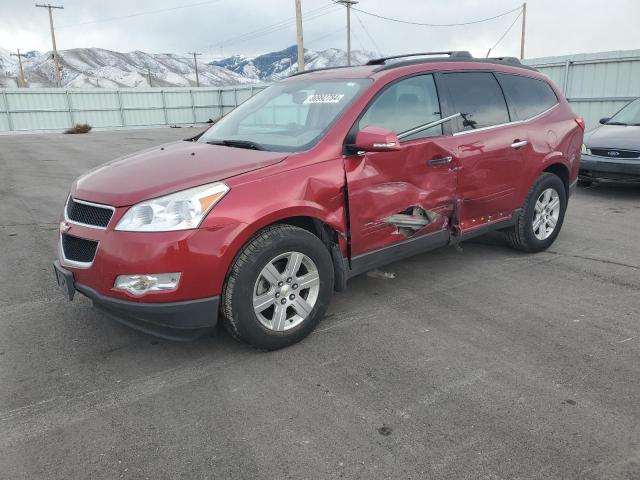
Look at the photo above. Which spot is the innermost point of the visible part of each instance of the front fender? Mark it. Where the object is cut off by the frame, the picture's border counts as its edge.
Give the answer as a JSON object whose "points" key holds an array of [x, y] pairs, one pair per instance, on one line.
{"points": [[315, 191], [242, 233]]}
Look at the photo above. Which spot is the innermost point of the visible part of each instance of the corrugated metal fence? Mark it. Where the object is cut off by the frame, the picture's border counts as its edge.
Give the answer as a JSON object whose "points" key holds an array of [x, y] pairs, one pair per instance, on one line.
{"points": [[596, 84], [52, 109]]}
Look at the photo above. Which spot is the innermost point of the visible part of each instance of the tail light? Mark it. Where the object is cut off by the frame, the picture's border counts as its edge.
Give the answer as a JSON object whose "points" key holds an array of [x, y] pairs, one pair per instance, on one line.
{"points": [[580, 122]]}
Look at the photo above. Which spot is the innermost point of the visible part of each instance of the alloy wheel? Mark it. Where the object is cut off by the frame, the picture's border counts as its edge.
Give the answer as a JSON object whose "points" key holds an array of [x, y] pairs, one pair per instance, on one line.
{"points": [[286, 291], [546, 214]]}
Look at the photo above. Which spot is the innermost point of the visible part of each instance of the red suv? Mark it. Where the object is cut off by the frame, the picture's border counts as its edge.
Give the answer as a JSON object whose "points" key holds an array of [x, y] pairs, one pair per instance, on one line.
{"points": [[320, 177]]}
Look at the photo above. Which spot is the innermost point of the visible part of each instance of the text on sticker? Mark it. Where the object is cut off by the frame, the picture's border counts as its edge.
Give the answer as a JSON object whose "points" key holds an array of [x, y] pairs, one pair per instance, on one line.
{"points": [[324, 98]]}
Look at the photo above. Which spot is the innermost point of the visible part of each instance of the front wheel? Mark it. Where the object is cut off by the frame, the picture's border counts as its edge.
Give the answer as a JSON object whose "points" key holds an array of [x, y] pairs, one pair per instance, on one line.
{"points": [[279, 287], [542, 215]]}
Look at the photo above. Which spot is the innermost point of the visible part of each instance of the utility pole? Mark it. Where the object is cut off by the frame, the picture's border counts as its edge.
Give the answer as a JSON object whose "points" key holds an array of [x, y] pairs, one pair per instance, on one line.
{"points": [[348, 4], [149, 76], [299, 38], [53, 41], [23, 82], [524, 23], [195, 62]]}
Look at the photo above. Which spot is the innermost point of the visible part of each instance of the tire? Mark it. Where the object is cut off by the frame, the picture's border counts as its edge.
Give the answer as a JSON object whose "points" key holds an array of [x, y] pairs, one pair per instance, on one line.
{"points": [[524, 235], [262, 302]]}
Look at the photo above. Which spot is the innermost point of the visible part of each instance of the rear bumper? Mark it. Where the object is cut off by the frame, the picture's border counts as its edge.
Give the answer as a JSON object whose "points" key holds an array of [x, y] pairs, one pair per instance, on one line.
{"points": [[184, 320], [592, 167]]}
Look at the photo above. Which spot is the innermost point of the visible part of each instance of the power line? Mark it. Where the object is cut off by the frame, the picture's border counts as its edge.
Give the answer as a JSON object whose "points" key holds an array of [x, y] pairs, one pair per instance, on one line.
{"points": [[139, 14], [408, 22], [311, 15], [275, 26], [505, 33], [357, 39], [375, 45], [326, 35]]}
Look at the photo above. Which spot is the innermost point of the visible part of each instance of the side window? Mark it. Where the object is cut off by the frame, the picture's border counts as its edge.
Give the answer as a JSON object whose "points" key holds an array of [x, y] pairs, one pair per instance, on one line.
{"points": [[478, 96], [527, 97], [404, 105]]}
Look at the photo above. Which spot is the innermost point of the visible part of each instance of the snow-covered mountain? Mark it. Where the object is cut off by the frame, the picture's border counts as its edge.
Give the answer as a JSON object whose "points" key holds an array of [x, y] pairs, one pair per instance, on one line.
{"points": [[276, 65], [97, 67]]}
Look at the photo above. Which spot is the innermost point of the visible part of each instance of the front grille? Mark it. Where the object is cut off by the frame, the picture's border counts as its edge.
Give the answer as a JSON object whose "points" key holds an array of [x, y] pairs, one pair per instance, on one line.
{"points": [[78, 249], [615, 153], [93, 215]]}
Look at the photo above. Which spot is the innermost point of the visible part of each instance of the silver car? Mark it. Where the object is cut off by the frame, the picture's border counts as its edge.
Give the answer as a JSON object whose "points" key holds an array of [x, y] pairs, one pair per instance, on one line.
{"points": [[612, 151]]}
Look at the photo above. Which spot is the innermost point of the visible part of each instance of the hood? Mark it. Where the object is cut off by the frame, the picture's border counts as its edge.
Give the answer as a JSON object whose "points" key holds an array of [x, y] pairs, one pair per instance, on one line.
{"points": [[166, 169], [614, 136]]}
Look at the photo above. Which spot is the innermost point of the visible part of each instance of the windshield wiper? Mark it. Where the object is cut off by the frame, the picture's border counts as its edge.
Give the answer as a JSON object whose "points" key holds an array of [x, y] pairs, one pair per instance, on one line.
{"points": [[617, 123], [237, 144]]}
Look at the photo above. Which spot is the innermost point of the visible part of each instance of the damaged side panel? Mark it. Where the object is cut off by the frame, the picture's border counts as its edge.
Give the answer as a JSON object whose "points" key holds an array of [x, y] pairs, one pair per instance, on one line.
{"points": [[397, 195], [412, 220]]}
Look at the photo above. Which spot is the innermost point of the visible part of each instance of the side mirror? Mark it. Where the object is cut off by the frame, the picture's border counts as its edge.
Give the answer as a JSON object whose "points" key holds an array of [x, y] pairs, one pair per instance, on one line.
{"points": [[376, 139], [604, 120]]}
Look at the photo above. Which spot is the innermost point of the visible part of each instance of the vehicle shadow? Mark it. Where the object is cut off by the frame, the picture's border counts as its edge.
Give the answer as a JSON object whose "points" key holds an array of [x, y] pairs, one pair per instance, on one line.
{"points": [[612, 190]]}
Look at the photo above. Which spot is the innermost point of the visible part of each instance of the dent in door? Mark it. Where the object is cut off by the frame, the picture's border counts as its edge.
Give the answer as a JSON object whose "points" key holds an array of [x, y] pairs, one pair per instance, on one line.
{"points": [[386, 202]]}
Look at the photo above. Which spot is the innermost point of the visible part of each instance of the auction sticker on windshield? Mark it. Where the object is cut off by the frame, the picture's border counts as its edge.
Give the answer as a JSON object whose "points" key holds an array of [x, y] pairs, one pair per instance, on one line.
{"points": [[324, 98]]}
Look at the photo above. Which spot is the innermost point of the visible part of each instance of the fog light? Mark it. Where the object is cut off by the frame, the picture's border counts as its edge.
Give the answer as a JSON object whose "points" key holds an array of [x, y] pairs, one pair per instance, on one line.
{"points": [[141, 284]]}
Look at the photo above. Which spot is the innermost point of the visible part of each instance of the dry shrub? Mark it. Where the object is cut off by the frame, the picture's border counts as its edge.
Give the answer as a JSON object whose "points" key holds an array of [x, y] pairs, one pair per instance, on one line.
{"points": [[79, 128]]}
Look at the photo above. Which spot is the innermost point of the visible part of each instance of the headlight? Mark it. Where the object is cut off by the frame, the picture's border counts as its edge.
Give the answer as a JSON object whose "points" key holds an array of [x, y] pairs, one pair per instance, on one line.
{"points": [[179, 211], [585, 150]]}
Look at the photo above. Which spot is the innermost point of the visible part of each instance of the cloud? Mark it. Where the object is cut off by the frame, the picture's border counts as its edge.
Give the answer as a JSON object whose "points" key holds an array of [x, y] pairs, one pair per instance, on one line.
{"points": [[226, 27]]}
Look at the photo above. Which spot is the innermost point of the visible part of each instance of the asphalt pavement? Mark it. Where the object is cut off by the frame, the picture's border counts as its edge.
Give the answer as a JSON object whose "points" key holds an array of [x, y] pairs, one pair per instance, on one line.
{"points": [[480, 364]]}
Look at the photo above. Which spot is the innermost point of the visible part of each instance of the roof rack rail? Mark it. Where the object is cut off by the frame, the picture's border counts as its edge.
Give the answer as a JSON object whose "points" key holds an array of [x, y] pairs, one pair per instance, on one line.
{"points": [[508, 61], [452, 54], [514, 60]]}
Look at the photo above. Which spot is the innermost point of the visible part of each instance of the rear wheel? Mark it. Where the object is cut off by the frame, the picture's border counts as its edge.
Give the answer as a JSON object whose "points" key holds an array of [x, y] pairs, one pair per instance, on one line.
{"points": [[542, 215], [279, 287]]}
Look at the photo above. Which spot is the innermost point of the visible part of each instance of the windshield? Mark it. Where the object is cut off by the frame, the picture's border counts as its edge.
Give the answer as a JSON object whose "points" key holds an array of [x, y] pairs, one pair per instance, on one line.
{"points": [[289, 116], [629, 115]]}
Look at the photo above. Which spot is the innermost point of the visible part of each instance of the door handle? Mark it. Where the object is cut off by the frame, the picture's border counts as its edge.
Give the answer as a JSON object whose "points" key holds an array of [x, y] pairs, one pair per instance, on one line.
{"points": [[519, 144], [440, 160]]}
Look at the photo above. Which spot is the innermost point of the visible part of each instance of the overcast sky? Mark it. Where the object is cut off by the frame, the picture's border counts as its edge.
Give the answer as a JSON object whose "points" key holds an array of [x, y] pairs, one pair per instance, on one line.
{"points": [[226, 27]]}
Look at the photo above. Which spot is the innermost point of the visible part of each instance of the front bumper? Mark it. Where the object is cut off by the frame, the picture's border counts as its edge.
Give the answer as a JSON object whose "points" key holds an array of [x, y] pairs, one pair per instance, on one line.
{"points": [[592, 167], [201, 256], [184, 320]]}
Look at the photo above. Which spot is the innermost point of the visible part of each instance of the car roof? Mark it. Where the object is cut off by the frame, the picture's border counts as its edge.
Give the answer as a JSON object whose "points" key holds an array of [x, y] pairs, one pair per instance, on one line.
{"points": [[379, 68]]}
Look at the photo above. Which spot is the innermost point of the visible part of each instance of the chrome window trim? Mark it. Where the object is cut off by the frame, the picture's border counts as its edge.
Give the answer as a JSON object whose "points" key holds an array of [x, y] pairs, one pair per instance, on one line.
{"points": [[426, 126], [73, 263], [98, 205], [516, 122]]}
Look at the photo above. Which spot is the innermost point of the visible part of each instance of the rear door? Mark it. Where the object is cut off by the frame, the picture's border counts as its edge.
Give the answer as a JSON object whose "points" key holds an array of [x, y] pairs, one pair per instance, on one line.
{"points": [[529, 99], [398, 195], [488, 146]]}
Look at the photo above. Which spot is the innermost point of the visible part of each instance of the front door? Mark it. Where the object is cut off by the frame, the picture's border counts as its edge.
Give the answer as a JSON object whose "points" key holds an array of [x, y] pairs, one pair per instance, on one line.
{"points": [[401, 195]]}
